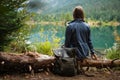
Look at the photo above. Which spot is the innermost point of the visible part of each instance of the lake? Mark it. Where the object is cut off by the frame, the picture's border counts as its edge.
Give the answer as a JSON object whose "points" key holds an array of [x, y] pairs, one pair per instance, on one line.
{"points": [[102, 36]]}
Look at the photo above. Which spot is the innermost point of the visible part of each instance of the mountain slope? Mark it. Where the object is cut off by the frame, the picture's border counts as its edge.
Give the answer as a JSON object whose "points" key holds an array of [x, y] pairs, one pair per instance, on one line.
{"points": [[98, 9]]}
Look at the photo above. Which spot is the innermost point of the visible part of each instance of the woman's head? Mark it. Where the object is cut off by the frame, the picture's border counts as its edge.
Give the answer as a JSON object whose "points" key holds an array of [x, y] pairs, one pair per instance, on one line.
{"points": [[78, 13]]}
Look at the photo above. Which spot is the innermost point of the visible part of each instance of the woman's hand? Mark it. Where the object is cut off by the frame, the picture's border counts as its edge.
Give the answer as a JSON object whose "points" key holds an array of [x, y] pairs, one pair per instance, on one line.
{"points": [[94, 56]]}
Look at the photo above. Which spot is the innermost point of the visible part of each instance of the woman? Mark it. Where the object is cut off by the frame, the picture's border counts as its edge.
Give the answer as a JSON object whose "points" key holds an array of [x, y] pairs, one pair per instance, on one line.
{"points": [[78, 35]]}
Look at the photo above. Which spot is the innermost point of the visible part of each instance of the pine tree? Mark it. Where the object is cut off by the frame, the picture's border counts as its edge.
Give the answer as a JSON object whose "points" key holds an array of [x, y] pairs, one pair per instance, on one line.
{"points": [[9, 21]]}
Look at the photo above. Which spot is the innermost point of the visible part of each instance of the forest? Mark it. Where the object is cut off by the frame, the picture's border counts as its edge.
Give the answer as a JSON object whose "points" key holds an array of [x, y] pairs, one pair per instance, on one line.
{"points": [[105, 10], [39, 25]]}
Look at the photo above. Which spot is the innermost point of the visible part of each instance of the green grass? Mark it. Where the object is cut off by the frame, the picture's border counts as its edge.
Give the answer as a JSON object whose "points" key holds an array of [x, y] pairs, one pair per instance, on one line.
{"points": [[113, 52]]}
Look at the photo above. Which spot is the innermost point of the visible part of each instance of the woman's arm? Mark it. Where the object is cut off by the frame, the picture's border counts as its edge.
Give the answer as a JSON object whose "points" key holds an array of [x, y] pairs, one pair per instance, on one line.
{"points": [[67, 36], [93, 55], [90, 41]]}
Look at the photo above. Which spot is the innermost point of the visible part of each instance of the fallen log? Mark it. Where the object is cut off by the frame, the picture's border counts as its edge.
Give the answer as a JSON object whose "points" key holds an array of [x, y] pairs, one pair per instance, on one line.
{"points": [[29, 61], [100, 63], [25, 62]]}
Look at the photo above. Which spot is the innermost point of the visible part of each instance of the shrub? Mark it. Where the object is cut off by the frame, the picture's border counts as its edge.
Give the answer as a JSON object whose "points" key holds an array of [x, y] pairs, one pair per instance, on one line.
{"points": [[114, 52], [47, 46]]}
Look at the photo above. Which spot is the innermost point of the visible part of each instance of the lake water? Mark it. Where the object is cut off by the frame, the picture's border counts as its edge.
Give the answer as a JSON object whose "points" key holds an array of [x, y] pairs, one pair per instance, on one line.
{"points": [[102, 36]]}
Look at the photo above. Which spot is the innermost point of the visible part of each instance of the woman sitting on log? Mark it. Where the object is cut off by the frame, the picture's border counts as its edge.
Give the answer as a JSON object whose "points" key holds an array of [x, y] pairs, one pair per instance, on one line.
{"points": [[78, 35]]}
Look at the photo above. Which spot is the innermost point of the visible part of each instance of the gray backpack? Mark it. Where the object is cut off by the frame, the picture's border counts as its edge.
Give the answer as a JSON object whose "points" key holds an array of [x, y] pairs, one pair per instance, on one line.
{"points": [[65, 63]]}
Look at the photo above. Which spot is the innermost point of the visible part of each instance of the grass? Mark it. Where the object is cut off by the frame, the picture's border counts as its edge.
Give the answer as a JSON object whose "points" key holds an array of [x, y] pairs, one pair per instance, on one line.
{"points": [[113, 52]]}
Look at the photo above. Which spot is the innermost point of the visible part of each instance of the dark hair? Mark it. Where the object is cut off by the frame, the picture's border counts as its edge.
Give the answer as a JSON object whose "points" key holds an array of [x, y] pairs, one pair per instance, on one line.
{"points": [[78, 13]]}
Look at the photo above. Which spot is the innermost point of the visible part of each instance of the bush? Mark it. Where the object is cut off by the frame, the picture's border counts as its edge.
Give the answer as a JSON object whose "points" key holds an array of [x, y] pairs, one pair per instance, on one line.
{"points": [[114, 52], [44, 48], [47, 46]]}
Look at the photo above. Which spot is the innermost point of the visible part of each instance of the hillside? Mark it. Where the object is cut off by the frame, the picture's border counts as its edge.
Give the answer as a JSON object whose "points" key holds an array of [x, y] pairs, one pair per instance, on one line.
{"points": [[95, 9]]}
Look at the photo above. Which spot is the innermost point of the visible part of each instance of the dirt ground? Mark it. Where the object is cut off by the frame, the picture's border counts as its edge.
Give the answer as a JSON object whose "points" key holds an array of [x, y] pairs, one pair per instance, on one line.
{"points": [[97, 75]]}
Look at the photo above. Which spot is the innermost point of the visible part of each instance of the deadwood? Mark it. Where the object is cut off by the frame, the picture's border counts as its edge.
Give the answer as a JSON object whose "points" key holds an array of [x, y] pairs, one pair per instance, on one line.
{"points": [[25, 62], [29, 61], [100, 63]]}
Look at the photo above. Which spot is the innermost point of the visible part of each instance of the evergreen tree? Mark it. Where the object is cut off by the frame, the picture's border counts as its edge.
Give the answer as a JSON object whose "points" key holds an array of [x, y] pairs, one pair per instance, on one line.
{"points": [[9, 20]]}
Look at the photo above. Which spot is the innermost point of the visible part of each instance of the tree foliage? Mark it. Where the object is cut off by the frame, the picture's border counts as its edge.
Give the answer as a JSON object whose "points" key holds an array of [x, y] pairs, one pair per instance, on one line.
{"points": [[9, 20], [106, 10]]}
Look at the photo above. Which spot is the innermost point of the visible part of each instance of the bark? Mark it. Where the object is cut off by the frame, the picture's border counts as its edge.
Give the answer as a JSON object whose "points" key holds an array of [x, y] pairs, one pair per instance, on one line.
{"points": [[100, 63], [25, 62], [29, 61]]}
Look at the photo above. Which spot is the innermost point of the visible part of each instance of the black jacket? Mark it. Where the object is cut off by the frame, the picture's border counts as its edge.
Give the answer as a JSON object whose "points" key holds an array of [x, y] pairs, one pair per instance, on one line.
{"points": [[78, 35]]}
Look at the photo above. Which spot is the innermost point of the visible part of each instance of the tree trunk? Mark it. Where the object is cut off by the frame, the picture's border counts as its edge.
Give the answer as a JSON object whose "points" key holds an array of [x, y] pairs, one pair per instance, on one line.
{"points": [[29, 61], [25, 62], [100, 63]]}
